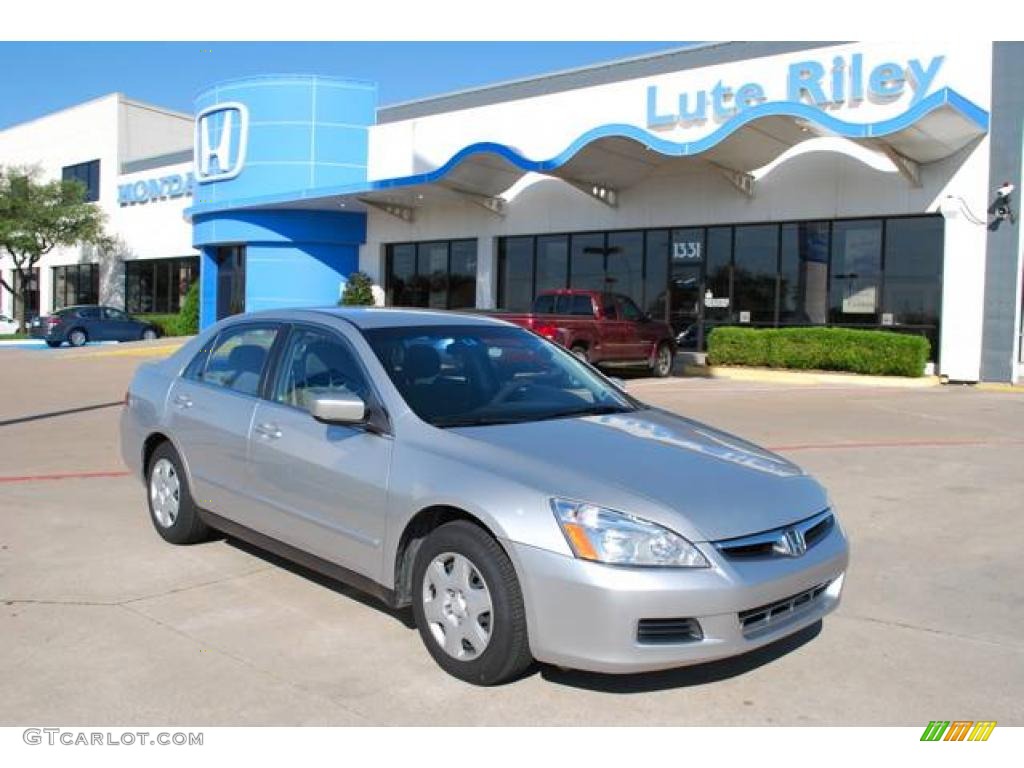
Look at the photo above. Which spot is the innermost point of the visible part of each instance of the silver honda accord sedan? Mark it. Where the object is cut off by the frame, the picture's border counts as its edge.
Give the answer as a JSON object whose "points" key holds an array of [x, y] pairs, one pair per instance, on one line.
{"points": [[525, 506]]}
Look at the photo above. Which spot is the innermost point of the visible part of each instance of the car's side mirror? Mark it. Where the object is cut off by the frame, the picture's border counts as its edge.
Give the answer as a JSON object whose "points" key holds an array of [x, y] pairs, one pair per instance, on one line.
{"points": [[338, 409]]}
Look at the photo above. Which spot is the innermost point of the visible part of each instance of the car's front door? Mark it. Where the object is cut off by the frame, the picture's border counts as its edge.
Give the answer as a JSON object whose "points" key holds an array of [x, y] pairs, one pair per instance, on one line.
{"points": [[641, 334], [321, 487], [117, 326], [210, 410]]}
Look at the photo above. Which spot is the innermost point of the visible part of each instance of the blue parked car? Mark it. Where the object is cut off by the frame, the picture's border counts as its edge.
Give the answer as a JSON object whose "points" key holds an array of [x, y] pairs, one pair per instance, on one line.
{"points": [[82, 324]]}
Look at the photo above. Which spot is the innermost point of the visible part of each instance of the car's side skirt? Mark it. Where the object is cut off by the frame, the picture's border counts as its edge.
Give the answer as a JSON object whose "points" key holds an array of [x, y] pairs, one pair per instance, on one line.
{"points": [[300, 557]]}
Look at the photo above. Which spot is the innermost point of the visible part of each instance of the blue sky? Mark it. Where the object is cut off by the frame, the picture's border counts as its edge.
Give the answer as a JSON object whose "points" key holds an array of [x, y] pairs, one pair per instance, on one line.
{"points": [[43, 77]]}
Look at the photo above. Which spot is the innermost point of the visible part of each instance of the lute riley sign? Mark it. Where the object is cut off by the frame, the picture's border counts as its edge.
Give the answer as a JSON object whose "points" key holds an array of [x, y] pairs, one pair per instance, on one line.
{"points": [[844, 82], [161, 188]]}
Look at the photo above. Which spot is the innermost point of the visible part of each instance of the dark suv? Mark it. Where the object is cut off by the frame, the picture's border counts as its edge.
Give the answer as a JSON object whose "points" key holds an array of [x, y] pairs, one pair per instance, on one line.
{"points": [[85, 323]]}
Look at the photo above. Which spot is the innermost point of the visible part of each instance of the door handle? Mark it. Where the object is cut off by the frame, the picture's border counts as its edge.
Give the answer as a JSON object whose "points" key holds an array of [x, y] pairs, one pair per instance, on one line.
{"points": [[268, 430], [183, 401]]}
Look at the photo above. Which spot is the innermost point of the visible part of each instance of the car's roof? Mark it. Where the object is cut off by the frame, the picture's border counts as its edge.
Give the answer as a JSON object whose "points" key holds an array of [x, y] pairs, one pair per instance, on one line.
{"points": [[381, 317]]}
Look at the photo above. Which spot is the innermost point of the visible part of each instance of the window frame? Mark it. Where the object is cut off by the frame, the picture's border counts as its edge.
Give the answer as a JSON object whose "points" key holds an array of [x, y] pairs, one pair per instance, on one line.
{"points": [[279, 364], [195, 375]]}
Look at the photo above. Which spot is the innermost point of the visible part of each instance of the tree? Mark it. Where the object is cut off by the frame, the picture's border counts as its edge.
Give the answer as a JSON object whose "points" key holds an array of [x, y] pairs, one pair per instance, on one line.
{"points": [[358, 291], [37, 216]]}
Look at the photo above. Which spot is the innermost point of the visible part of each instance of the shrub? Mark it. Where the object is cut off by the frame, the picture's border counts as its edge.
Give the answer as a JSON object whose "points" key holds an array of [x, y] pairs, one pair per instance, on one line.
{"points": [[188, 315], [358, 291], [168, 324], [828, 349]]}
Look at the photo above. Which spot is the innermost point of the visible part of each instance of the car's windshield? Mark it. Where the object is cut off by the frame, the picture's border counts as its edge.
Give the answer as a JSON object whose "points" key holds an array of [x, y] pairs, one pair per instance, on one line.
{"points": [[469, 375]]}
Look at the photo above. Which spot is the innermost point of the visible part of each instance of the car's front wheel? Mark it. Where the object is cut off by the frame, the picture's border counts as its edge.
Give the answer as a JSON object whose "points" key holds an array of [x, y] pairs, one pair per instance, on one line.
{"points": [[662, 364], [149, 334], [171, 508], [468, 605]]}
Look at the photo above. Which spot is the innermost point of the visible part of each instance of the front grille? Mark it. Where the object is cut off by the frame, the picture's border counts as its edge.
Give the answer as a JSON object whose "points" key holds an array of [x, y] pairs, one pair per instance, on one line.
{"points": [[774, 614], [662, 631], [762, 545]]}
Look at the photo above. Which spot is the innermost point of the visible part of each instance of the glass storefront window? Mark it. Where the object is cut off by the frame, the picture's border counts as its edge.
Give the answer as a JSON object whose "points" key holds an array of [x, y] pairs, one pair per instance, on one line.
{"points": [[586, 270], [656, 273], [401, 270], [875, 273], [432, 266], [718, 276], [755, 273], [552, 262], [439, 274], [515, 273], [462, 278], [76, 284], [624, 272], [803, 273], [686, 286], [856, 272], [32, 306], [158, 285]]}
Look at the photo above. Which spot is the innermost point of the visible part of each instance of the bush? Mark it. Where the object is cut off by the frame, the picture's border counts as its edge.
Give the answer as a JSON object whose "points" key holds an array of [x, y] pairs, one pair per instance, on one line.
{"points": [[188, 315], [168, 324], [358, 291], [827, 349]]}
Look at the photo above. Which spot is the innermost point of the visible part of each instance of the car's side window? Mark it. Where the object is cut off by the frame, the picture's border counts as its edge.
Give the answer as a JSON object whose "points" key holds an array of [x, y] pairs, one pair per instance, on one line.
{"points": [[630, 311], [317, 363], [88, 313], [238, 357], [109, 313]]}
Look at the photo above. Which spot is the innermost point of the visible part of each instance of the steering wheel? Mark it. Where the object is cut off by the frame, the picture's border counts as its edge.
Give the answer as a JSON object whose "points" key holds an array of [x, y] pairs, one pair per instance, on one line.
{"points": [[507, 390]]}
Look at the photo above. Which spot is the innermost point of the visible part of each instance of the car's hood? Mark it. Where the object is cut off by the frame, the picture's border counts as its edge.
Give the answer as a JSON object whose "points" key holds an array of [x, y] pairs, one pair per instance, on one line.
{"points": [[697, 480]]}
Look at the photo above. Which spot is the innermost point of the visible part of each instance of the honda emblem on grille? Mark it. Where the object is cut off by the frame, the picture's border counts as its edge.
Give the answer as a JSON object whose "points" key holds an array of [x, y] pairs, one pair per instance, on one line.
{"points": [[790, 543]]}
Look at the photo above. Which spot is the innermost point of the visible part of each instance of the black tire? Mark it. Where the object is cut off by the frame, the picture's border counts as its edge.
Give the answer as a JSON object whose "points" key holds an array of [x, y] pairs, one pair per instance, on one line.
{"points": [[187, 527], [53, 344], [507, 654], [149, 334], [661, 367], [77, 337], [580, 351]]}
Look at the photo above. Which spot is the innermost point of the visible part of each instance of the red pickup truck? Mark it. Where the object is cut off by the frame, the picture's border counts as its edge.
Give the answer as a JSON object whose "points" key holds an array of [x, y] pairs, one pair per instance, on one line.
{"points": [[606, 329]]}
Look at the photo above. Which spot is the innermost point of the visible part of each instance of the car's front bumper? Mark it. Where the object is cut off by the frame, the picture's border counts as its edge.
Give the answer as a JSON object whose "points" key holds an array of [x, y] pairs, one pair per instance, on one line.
{"points": [[586, 615]]}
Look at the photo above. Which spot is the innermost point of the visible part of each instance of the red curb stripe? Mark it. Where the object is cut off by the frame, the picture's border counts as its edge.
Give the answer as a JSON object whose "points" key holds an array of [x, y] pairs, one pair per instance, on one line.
{"points": [[63, 476], [888, 444]]}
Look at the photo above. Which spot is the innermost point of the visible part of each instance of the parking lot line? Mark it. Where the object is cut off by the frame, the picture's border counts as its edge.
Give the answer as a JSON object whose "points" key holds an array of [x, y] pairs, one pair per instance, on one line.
{"points": [[64, 476]]}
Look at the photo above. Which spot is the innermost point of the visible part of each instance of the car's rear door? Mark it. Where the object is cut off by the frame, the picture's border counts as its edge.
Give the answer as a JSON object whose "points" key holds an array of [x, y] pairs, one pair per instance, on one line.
{"points": [[321, 488], [210, 412]]}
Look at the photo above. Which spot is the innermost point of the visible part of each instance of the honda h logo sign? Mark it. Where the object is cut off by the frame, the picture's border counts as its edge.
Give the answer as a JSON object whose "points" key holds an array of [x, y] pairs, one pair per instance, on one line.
{"points": [[221, 134]]}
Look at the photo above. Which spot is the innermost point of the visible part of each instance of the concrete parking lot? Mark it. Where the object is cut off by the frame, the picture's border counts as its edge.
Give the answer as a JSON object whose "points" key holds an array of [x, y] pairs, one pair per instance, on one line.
{"points": [[103, 623]]}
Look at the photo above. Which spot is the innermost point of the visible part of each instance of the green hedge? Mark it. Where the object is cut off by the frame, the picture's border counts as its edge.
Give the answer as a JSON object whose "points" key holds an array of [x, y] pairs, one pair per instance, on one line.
{"points": [[826, 349], [168, 324]]}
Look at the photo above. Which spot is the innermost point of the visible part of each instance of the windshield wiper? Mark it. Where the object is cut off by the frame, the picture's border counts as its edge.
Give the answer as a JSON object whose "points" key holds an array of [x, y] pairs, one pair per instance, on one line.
{"points": [[592, 410], [478, 421]]}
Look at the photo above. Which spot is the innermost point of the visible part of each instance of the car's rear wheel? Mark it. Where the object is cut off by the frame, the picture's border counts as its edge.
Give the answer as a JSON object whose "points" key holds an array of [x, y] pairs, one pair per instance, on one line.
{"points": [[662, 364], [53, 344], [149, 334], [468, 605], [77, 337], [171, 508]]}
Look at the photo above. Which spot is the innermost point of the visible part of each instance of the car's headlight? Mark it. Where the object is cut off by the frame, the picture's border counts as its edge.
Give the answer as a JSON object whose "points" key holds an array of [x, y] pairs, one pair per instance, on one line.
{"points": [[607, 536]]}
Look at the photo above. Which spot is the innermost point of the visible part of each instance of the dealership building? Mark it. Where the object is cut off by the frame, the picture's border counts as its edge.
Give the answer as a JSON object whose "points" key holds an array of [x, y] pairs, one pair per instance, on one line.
{"points": [[760, 184]]}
